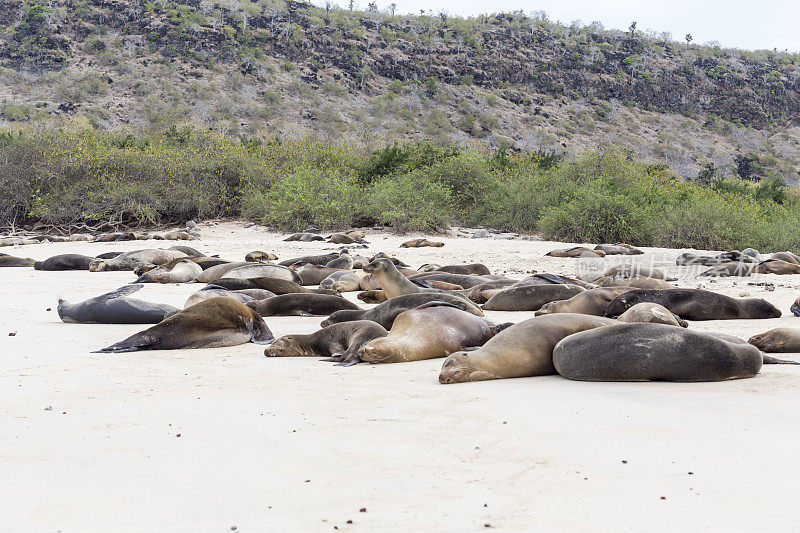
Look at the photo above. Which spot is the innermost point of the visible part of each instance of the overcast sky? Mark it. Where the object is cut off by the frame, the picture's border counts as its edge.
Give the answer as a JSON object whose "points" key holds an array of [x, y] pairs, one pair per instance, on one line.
{"points": [[748, 24]]}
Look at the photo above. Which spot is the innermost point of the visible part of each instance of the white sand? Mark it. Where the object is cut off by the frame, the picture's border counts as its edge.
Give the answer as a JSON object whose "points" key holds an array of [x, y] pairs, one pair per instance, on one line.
{"points": [[298, 444]]}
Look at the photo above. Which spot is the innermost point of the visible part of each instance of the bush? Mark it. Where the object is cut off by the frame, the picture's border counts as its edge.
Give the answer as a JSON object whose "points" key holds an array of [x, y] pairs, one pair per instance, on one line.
{"points": [[411, 202]]}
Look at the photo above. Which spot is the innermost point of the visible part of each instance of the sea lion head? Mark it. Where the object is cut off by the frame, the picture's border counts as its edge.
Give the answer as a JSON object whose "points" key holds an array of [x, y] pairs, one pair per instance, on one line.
{"points": [[378, 266], [771, 341], [764, 309], [286, 346], [457, 368], [97, 266]]}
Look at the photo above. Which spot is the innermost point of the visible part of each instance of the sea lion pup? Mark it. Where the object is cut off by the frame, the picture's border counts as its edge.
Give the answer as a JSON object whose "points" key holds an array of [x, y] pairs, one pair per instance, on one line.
{"points": [[392, 281], [313, 274], [689, 259], [524, 349], [638, 282], [213, 323], [11, 261], [65, 262], [731, 268], [778, 340], [351, 280], [311, 259], [359, 261], [796, 307], [344, 261], [591, 302], [432, 330], [131, 260], [421, 243], [695, 304], [260, 257], [530, 298], [618, 249], [773, 266], [304, 237], [339, 342], [372, 296], [629, 270], [184, 271], [789, 257], [385, 313], [655, 352], [576, 251], [115, 308], [207, 294], [302, 304], [261, 270], [648, 312]]}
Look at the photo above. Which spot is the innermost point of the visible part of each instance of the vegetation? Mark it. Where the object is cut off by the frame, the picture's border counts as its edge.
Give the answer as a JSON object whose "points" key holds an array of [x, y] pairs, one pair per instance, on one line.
{"points": [[605, 195]]}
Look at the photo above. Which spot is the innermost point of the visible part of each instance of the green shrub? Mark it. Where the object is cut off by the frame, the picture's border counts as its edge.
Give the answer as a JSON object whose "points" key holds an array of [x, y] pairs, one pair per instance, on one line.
{"points": [[411, 202]]}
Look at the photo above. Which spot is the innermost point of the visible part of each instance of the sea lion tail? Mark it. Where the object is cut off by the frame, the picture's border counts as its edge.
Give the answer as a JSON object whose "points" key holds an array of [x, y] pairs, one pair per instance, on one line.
{"points": [[769, 360]]}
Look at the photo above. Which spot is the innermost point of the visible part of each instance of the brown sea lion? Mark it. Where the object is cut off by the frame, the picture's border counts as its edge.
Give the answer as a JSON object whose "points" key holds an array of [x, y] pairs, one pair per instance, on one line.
{"points": [[321, 260], [576, 251], [591, 302], [385, 313], [432, 330], [628, 270], [260, 257], [213, 323], [339, 342], [776, 266], [304, 237], [278, 286], [184, 271], [421, 243], [695, 304], [11, 261], [467, 281], [313, 274], [789, 257], [381, 255], [372, 296], [65, 262], [648, 312], [524, 349], [391, 280], [302, 304], [343, 238], [530, 298], [174, 236], [778, 340], [472, 269], [731, 268], [618, 249]]}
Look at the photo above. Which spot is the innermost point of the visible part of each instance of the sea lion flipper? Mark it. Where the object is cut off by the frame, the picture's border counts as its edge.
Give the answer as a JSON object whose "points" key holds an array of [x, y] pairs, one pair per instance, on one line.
{"points": [[121, 292], [334, 358], [553, 278], [261, 333], [769, 360], [134, 343], [421, 283]]}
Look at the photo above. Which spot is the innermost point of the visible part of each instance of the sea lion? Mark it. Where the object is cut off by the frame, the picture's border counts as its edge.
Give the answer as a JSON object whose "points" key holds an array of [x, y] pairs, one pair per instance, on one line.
{"points": [[372, 296], [188, 250], [344, 261], [11, 261], [796, 307], [630, 270], [576, 251], [735, 256], [359, 261], [313, 274], [773, 266], [259, 257], [731, 268], [302, 305], [638, 282], [207, 294], [432, 330], [339, 342], [467, 281], [311, 259], [789, 257], [351, 280], [174, 236], [695, 304], [524, 349], [651, 313], [778, 340], [184, 271], [690, 259], [261, 270], [421, 243], [591, 302], [385, 313], [530, 298], [220, 271], [471, 269], [213, 323], [381, 255], [278, 286], [304, 237], [650, 352], [109, 255], [618, 249], [343, 238], [115, 308], [131, 260], [392, 281], [428, 267], [203, 262], [65, 262]]}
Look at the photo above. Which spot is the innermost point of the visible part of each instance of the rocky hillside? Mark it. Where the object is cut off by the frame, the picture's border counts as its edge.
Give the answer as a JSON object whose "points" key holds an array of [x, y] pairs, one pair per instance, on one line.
{"points": [[287, 69]]}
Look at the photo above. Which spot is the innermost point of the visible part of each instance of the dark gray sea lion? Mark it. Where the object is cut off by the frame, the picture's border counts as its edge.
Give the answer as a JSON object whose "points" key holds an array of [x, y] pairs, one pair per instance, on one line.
{"points": [[109, 255], [115, 308], [648, 312], [796, 307], [432, 330], [689, 259], [339, 342], [776, 266], [628, 270], [11, 261], [778, 340], [344, 261], [302, 305], [735, 256], [65, 262], [618, 249], [278, 286], [524, 349], [188, 250], [260, 257], [530, 298], [654, 352], [467, 281], [385, 313], [591, 302], [731, 268], [695, 304], [421, 243], [321, 260], [638, 282], [576, 251], [382, 255], [213, 323]]}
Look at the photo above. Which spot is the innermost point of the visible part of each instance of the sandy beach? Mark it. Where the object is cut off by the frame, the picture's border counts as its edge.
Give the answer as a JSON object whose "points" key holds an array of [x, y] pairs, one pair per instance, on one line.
{"points": [[217, 439]]}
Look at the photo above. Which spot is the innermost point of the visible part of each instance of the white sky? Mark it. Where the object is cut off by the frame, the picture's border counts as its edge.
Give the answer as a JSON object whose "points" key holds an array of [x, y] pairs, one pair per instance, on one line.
{"points": [[748, 24]]}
